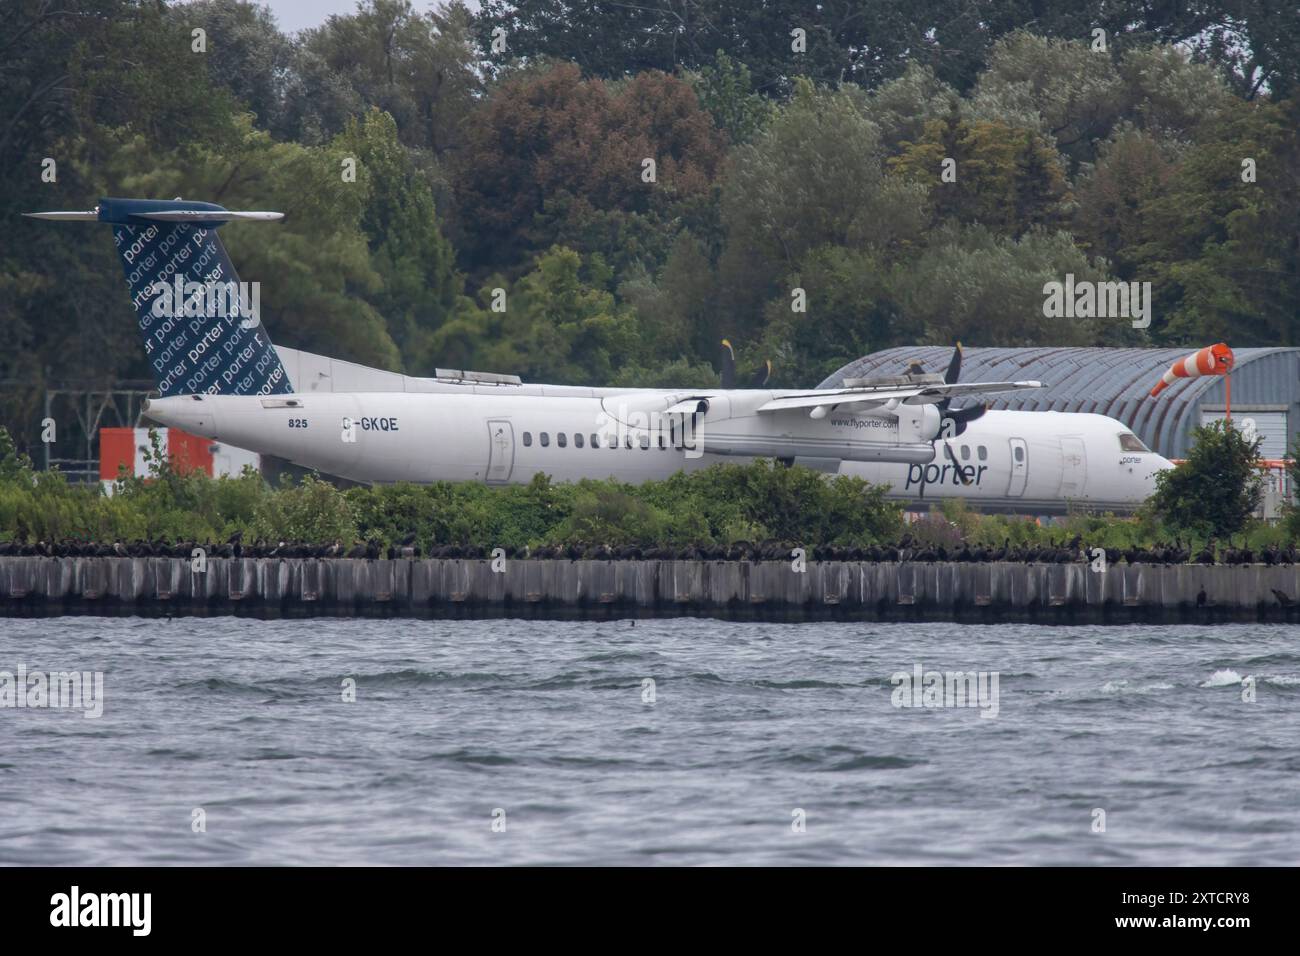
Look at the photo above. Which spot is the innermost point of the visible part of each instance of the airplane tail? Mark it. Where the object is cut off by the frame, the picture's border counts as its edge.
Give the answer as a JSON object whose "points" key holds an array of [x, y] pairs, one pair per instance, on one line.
{"points": [[199, 323]]}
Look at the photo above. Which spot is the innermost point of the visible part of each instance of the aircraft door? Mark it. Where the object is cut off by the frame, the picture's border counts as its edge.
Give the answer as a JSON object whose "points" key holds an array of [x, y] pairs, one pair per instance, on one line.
{"points": [[1019, 468], [501, 451], [1074, 467]]}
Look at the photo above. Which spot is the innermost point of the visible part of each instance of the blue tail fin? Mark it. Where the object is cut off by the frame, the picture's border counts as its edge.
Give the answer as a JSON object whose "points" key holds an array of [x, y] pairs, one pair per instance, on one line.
{"points": [[199, 323]]}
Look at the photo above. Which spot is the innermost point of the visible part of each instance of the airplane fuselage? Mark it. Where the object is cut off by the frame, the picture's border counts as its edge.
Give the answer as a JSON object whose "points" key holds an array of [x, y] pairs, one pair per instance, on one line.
{"points": [[1037, 462]]}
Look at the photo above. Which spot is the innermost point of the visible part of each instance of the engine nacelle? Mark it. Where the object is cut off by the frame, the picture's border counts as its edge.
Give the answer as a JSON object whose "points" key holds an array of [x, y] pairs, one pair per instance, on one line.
{"points": [[918, 423]]}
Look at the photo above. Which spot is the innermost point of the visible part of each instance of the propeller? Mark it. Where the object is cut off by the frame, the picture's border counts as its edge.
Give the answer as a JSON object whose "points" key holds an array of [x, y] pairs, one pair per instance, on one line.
{"points": [[728, 369], [728, 372], [960, 417]]}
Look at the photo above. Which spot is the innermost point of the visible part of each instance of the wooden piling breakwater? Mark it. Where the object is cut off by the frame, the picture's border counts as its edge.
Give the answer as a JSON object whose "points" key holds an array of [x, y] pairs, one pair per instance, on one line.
{"points": [[760, 590]]}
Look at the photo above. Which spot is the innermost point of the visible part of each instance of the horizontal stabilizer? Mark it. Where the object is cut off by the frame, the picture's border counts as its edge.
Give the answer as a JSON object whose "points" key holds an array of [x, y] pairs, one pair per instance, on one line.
{"points": [[125, 212], [195, 215], [89, 215], [173, 215]]}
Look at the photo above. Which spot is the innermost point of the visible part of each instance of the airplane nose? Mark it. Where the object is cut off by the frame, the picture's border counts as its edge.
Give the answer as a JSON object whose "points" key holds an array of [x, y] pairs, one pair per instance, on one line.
{"points": [[1157, 464], [189, 413]]}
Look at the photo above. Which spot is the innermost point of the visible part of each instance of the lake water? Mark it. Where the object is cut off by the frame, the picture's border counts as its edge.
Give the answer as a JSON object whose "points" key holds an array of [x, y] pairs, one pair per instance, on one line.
{"points": [[228, 741]]}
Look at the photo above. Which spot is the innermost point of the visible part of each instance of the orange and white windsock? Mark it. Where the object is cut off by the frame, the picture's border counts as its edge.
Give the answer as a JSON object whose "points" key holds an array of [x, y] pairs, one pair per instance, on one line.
{"points": [[1212, 360]]}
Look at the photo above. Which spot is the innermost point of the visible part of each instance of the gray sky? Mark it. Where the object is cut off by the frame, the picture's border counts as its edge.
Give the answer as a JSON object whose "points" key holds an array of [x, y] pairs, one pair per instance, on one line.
{"points": [[294, 15]]}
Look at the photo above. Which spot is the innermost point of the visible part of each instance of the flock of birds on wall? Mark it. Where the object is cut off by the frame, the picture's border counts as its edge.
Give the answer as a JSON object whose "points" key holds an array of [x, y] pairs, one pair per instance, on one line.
{"points": [[906, 549]]}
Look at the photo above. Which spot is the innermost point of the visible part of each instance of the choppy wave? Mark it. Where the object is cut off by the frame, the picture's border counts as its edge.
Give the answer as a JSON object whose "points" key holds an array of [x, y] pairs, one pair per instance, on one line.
{"points": [[750, 725], [1222, 678]]}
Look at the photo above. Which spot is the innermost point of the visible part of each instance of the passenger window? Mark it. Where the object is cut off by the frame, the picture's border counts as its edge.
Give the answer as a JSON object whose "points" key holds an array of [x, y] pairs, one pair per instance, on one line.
{"points": [[561, 440], [645, 441], [662, 443], [595, 440], [546, 439], [528, 439], [577, 439], [965, 452], [983, 453], [1020, 453], [627, 440]]}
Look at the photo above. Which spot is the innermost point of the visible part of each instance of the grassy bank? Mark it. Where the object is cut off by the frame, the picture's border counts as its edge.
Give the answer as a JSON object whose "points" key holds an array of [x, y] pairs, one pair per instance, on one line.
{"points": [[720, 505]]}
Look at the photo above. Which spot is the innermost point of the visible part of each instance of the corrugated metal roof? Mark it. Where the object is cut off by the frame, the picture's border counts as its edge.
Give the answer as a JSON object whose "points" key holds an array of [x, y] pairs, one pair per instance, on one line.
{"points": [[1113, 382]]}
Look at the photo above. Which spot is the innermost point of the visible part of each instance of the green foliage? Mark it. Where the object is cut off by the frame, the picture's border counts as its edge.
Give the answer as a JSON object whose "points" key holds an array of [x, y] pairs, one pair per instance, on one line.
{"points": [[975, 286], [870, 43], [725, 88], [313, 510], [1217, 489], [554, 324], [15, 466], [170, 503], [1005, 178], [550, 152], [418, 286], [521, 170], [722, 503], [851, 310], [417, 67], [813, 177], [1211, 241]]}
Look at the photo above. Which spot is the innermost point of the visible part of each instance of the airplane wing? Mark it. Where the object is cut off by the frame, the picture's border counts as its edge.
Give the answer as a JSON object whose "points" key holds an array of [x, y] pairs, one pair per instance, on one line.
{"points": [[911, 395]]}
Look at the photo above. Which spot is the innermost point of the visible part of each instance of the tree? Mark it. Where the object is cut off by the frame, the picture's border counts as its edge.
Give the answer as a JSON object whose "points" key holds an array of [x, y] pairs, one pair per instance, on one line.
{"points": [[868, 44], [1066, 90], [972, 285], [1009, 179], [419, 284], [813, 177], [726, 89], [1215, 492], [1219, 241], [902, 107], [851, 311], [549, 153], [677, 308], [1131, 168], [315, 266], [417, 67], [1060, 88], [245, 53], [553, 325]]}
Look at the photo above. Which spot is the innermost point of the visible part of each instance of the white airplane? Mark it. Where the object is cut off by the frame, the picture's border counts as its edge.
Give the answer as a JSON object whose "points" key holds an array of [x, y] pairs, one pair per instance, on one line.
{"points": [[219, 376]]}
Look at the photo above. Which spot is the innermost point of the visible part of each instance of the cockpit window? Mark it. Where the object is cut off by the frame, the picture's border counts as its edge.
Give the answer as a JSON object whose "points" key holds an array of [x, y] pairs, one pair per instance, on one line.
{"points": [[1130, 442]]}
